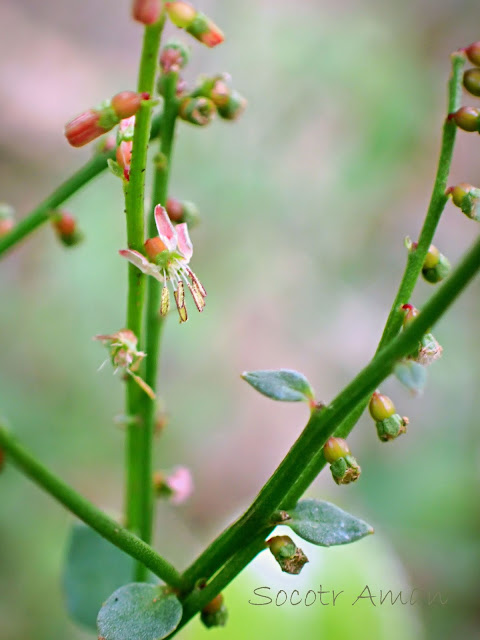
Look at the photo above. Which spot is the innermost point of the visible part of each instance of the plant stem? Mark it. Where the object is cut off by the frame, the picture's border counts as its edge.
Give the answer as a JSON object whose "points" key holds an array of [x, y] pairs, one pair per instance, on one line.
{"points": [[137, 519], [154, 321], [67, 189], [86, 511], [413, 268], [322, 424]]}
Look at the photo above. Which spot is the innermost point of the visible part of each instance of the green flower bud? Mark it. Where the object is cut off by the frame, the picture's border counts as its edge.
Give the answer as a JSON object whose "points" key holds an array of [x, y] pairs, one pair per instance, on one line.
{"points": [[471, 81], [215, 614], [467, 198], [290, 558], [345, 470], [391, 427], [199, 111], [466, 118], [473, 53], [234, 107], [437, 273], [334, 449], [380, 406]]}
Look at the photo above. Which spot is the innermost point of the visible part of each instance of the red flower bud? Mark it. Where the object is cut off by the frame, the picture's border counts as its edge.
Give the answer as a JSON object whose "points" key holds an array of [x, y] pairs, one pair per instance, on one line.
{"points": [[410, 314], [127, 103], [66, 227], [84, 128], [473, 53], [205, 30], [174, 209], [147, 11], [6, 225], [466, 118]]}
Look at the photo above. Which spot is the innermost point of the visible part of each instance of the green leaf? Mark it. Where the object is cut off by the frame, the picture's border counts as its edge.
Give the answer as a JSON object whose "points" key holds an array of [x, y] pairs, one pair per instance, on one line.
{"points": [[139, 611], [325, 524], [411, 374], [282, 384], [94, 568], [115, 168]]}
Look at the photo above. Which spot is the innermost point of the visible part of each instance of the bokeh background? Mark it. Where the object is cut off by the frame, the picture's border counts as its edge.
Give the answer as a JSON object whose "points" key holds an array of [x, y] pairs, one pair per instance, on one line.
{"points": [[305, 203]]}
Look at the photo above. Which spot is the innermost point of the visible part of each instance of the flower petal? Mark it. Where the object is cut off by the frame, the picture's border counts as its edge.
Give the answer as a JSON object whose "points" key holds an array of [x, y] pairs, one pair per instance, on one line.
{"points": [[166, 230], [141, 263], [184, 243]]}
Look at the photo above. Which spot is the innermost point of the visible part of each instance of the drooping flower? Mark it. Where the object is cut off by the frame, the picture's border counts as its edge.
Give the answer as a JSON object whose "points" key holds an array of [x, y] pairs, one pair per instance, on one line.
{"points": [[168, 257], [122, 347]]}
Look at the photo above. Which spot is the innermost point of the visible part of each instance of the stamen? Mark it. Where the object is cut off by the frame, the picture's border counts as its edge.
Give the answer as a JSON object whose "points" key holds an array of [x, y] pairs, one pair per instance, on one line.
{"points": [[179, 295], [197, 282], [197, 296], [165, 301]]}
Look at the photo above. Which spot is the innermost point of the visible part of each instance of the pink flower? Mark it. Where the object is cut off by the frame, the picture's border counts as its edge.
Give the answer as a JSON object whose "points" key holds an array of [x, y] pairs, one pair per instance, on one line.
{"points": [[178, 486], [168, 257]]}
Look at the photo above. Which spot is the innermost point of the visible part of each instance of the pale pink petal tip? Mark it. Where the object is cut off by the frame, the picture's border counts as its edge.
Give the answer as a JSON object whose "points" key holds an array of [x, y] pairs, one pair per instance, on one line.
{"points": [[184, 243], [166, 230], [181, 483]]}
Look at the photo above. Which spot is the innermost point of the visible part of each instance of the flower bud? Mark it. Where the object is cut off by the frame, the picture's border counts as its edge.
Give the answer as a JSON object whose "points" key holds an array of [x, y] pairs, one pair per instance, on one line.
{"points": [[205, 30], [7, 221], [215, 614], [84, 128], [410, 314], [436, 266], [124, 156], [127, 103], [473, 53], [178, 486], [183, 211], [290, 558], [467, 198], [181, 14], [471, 81], [391, 427], [147, 11], [234, 107], [466, 118], [345, 470], [380, 407], [213, 87], [66, 227], [335, 448], [199, 111], [173, 57]]}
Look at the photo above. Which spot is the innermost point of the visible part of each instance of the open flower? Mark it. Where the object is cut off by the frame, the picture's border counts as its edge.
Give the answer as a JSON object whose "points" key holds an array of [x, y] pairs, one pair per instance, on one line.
{"points": [[122, 347], [168, 257]]}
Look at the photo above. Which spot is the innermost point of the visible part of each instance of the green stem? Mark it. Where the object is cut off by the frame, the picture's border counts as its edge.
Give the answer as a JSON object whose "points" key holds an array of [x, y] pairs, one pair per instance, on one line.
{"points": [[412, 271], [66, 190], [86, 511], [154, 321], [136, 488], [323, 423]]}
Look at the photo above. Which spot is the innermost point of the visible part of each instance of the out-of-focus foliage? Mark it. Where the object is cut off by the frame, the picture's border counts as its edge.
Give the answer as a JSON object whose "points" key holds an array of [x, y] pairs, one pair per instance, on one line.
{"points": [[305, 203]]}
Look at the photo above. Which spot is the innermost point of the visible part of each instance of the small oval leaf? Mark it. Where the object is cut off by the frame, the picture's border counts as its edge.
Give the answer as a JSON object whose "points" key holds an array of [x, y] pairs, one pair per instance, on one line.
{"points": [[285, 385], [93, 569], [412, 375], [139, 611], [325, 524]]}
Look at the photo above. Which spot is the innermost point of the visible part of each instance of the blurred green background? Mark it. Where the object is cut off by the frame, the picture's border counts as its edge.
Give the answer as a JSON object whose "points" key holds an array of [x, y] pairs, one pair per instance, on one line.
{"points": [[305, 204]]}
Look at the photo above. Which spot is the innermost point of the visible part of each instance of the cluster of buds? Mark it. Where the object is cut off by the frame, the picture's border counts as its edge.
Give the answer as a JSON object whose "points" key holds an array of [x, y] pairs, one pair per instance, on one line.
{"points": [[228, 102], [125, 356], [66, 228], [468, 118], [436, 266], [183, 211], [198, 25], [176, 486], [95, 122], [168, 258], [290, 557], [343, 466], [389, 424], [215, 614], [428, 349], [7, 218], [467, 198]]}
